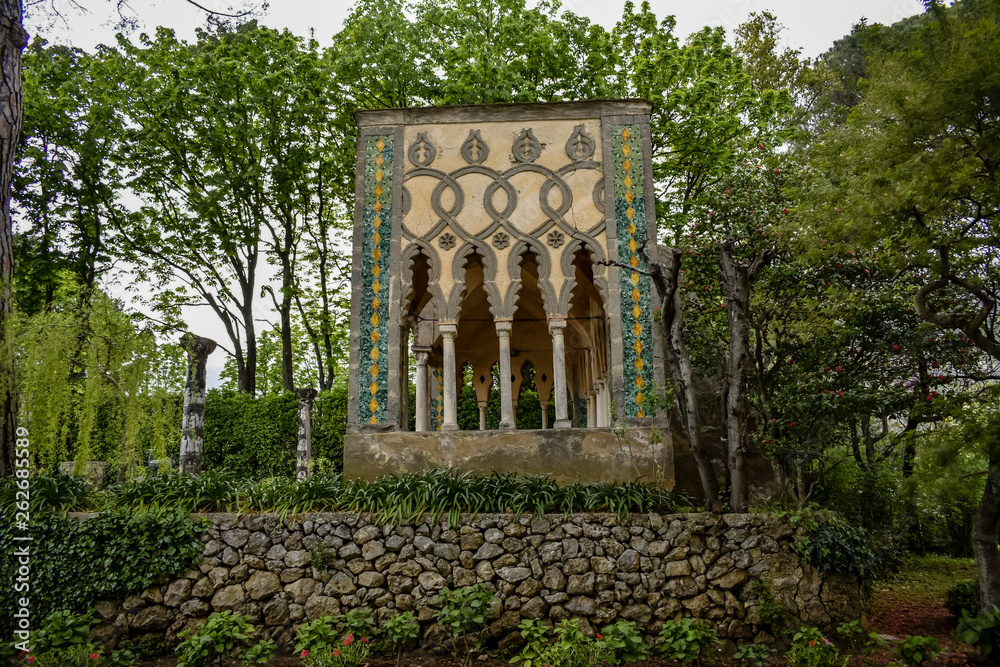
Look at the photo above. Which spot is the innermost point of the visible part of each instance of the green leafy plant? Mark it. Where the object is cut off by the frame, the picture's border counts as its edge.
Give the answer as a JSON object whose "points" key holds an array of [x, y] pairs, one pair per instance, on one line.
{"points": [[357, 622], [316, 636], [463, 613], [752, 655], [963, 598], [685, 640], [809, 648], [398, 630], [625, 642], [915, 651], [78, 655], [63, 630], [572, 648], [836, 546], [856, 637], [533, 631], [348, 652], [769, 610], [982, 631], [217, 638], [258, 654]]}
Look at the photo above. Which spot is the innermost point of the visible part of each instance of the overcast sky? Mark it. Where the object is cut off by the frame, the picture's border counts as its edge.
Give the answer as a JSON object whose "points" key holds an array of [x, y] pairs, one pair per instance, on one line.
{"points": [[811, 26]]}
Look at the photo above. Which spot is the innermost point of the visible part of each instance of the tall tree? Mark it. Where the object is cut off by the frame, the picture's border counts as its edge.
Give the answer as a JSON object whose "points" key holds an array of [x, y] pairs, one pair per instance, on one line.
{"points": [[13, 39], [915, 174]]}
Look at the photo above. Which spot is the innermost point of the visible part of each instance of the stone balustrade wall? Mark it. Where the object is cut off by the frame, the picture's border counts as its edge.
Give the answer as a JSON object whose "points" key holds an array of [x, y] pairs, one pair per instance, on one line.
{"points": [[726, 569]]}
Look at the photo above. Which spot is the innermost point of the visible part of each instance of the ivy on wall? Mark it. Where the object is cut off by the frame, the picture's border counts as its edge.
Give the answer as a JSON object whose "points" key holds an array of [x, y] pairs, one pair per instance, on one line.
{"points": [[76, 563]]}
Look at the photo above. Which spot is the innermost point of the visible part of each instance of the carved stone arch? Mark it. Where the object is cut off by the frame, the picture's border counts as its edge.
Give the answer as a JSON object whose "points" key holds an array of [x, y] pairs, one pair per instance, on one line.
{"points": [[544, 260], [590, 245], [458, 265], [409, 255]]}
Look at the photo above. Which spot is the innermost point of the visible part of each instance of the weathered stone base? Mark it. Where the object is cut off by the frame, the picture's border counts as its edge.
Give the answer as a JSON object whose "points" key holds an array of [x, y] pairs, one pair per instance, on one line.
{"points": [[567, 455], [591, 567]]}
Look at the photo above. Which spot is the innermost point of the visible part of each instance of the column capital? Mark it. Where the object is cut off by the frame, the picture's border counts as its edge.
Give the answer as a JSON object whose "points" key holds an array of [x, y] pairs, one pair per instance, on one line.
{"points": [[557, 324], [421, 355], [504, 327], [448, 330]]}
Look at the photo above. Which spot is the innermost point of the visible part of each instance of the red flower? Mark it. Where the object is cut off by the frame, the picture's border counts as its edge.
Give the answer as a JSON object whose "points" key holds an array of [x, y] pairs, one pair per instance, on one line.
{"points": [[837, 369], [600, 637], [363, 640], [336, 652], [94, 656], [348, 640], [30, 658], [792, 425], [304, 653], [812, 643]]}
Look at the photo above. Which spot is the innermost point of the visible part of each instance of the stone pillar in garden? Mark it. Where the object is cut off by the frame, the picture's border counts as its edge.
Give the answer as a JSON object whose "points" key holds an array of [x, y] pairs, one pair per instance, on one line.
{"points": [[306, 398], [193, 421]]}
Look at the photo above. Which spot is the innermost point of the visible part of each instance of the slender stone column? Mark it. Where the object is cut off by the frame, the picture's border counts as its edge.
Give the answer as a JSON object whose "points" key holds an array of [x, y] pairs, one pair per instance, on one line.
{"points": [[545, 413], [193, 419], [506, 402], [306, 398], [576, 410], [591, 410], [557, 329], [423, 407], [448, 334], [602, 415], [482, 415]]}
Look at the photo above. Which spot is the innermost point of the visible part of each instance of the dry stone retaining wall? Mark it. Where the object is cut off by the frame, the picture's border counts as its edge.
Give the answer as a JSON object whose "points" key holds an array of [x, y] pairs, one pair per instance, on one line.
{"points": [[592, 567]]}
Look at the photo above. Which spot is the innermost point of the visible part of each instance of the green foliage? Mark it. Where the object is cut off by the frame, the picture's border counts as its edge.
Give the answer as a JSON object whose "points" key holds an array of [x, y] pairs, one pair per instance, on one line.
{"points": [[915, 651], [126, 553], [62, 630], [625, 642], [351, 651], [769, 609], [222, 635], [463, 613], [316, 636], [357, 622], [76, 655], [533, 631], [258, 654], [398, 630], [964, 598], [752, 655], [572, 648], [981, 631], [809, 648], [685, 640], [836, 546]]}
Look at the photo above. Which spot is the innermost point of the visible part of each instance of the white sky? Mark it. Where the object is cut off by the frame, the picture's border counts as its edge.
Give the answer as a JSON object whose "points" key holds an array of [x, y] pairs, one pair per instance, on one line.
{"points": [[810, 25]]}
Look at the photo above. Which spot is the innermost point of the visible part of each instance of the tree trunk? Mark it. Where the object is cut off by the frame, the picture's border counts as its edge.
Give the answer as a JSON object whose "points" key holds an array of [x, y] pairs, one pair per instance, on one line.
{"points": [[736, 283], [737, 276], [666, 265], [13, 38], [985, 532]]}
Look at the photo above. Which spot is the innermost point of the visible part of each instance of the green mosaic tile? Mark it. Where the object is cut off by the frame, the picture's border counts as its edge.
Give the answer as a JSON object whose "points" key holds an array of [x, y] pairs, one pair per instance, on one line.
{"points": [[630, 223], [373, 367]]}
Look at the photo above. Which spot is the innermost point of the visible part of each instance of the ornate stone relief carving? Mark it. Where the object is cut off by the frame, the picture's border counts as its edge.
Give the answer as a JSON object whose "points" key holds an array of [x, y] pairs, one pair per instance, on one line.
{"points": [[421, 152], [526, 147], [501, 240], [556, 238], [475, 150], [580, 145], [446, 241]]}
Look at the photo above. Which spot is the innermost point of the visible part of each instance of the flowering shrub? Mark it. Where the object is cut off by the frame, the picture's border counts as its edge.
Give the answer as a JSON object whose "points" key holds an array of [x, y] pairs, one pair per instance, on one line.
{"points": [[811, 649], [350, 652]]}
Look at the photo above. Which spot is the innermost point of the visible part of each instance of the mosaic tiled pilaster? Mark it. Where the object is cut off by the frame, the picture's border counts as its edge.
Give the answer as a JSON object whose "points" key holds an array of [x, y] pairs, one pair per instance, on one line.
{"points": [[375, 258], [437, 398], [630, 220]]}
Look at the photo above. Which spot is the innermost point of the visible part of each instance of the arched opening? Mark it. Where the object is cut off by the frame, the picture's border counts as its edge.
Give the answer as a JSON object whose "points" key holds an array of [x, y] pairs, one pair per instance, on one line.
{"points": [[531, 348], [587, 347], [476, 347]]}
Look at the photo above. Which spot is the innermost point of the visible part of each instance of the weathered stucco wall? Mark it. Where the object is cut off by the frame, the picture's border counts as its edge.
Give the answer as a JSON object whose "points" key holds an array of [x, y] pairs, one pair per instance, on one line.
{"points": [[592, 567], [566, 455]]}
